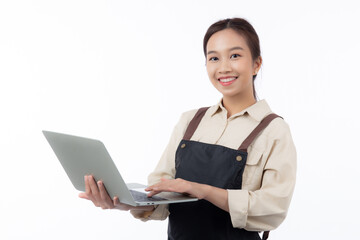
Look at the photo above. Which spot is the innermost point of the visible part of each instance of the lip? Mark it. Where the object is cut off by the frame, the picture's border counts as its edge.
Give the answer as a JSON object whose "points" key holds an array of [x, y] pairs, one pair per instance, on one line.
{"points": [[227, 83]]}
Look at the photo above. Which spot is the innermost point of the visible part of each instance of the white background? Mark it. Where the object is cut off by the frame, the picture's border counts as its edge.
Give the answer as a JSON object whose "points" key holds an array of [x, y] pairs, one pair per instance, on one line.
{"points": [[124, 71]]}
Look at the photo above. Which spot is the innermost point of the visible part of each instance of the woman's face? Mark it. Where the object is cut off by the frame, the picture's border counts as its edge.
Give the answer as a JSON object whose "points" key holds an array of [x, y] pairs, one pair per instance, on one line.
{"points": [[230, 65]]}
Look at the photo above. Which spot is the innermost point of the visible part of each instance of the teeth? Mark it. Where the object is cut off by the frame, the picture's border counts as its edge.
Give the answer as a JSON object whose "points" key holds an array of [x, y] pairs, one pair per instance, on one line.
{"points": [[227, 79]]}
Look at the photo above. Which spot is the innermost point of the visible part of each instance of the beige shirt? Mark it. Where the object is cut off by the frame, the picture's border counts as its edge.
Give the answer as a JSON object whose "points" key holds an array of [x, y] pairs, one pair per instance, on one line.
{"points": [[270, 171]]}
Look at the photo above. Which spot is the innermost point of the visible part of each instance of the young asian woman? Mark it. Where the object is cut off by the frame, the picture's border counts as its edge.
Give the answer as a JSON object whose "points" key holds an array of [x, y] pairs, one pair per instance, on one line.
{"points": [[237, 156]]}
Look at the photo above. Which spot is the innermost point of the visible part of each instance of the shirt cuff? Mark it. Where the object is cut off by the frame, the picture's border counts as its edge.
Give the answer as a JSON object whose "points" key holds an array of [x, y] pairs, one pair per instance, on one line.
{"points": [[238, 207], [160, 212]]}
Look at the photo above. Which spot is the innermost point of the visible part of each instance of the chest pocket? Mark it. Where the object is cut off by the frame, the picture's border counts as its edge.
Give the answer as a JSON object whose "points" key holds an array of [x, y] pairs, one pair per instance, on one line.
{"points": [[253, 170]]}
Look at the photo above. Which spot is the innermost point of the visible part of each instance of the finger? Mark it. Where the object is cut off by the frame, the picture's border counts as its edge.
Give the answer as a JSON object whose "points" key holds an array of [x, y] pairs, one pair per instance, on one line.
{"points": [[116, 200], [157, 185], [94, 191], [87, 186], [84, 196], [152, 193], [162, 180], [150, 188], [155, 188], [106, 200], [164, 188], [88, 194]]}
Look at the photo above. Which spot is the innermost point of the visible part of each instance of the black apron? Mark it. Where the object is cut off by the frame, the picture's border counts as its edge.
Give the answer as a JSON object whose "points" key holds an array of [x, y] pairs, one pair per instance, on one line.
{"points": [[217, 166]]}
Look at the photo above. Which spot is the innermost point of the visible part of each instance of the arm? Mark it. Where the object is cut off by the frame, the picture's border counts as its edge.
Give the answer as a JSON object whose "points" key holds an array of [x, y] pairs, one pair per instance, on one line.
{"points": [[263, 206]]}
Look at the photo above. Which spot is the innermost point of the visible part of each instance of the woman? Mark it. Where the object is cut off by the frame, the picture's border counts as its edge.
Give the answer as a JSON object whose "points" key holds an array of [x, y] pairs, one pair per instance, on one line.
{"points": [[242, 190]]}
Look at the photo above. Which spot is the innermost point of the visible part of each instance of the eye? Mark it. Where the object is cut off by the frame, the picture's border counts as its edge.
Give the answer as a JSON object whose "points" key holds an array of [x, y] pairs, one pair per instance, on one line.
{"points": [[235, 55], [213, 59]]}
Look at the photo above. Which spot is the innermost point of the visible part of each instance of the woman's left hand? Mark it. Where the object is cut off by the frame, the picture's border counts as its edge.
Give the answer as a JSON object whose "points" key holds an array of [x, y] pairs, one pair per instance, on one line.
{"points": [[179, 185]]}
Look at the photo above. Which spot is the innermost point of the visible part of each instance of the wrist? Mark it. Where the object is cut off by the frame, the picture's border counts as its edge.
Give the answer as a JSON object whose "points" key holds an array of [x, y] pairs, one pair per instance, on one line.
{"points": [[204, 191]]}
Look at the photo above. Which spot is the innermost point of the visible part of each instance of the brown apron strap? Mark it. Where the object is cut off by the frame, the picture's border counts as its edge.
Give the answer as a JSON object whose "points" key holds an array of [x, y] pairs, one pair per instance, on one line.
{"points": [[262, 125], [244, 146], [265, 235], [194, 123]]}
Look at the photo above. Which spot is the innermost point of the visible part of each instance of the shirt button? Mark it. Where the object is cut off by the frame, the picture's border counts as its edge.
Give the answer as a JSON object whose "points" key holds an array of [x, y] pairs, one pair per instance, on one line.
{"points": [[183, 145], [238, 158]]}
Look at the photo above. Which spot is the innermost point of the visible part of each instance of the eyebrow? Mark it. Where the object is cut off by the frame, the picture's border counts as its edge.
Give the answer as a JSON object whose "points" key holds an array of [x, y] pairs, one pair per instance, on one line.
{"points": [[231, 49]]}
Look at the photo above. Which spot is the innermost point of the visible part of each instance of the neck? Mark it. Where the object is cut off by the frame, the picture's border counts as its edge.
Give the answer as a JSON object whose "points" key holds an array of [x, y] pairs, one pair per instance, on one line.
{"points": [[234, 105]]}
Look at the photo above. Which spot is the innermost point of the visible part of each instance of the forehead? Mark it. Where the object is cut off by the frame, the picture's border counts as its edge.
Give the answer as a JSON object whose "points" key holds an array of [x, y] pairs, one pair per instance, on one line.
{"points": [[225, 40]]}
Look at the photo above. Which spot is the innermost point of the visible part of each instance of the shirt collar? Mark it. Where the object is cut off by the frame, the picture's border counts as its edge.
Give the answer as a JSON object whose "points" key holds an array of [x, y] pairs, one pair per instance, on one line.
{"points": [[258, 110], [216, 108]]}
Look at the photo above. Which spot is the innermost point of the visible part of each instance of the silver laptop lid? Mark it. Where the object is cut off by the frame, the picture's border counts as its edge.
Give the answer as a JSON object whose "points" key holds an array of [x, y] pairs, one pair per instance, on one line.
{"points": [[83, 156]]}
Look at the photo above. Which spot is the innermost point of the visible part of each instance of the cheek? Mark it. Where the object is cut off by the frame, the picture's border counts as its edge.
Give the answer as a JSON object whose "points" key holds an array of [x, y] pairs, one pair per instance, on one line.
{"points": [[208, 70], [243, 67], [211, 70]]}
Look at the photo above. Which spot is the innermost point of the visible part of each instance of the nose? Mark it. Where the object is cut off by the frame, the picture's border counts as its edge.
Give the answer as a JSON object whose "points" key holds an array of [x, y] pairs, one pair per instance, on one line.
{"points": [[225, 66]]}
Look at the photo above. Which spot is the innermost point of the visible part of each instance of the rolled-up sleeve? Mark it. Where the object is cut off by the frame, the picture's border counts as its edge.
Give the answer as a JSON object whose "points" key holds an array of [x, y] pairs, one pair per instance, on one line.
{"points": [[265, 208]]}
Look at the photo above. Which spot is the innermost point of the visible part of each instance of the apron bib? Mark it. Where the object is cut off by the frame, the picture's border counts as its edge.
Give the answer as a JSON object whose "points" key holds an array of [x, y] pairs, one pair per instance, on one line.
{"points": [[217, 166]]}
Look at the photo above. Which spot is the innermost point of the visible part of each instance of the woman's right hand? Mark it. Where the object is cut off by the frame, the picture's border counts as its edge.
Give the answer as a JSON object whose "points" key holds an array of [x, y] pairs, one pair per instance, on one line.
{"points": [[97, 193]]}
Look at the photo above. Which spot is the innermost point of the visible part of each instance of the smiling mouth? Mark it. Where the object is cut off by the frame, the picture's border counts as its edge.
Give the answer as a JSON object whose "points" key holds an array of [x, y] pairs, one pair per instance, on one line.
{"points": [[226, 80]]}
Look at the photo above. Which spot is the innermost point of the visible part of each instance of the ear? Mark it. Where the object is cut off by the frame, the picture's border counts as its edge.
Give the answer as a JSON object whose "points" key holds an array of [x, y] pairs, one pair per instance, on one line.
{"points": [[257, 65]]}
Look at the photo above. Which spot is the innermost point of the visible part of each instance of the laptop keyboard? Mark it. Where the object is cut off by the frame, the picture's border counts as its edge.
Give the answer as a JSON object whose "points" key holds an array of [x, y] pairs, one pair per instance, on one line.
{"points": [[142, 197]]}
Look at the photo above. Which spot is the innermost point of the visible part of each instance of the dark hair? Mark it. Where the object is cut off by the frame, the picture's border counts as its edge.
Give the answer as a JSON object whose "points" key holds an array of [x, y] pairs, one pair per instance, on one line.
{"points": [[245, 29]]}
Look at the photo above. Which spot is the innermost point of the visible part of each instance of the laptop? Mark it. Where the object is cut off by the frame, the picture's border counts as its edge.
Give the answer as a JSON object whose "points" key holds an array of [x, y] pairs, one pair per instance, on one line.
{"points": [[81, 156]]}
